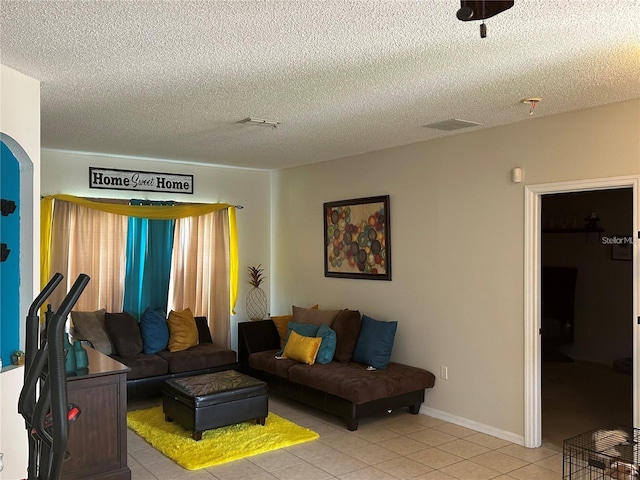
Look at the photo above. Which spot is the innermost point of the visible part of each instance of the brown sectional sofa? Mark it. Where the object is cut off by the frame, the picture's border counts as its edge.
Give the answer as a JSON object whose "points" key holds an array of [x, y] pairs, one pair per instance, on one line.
{"points": [[149, 371], [342, 386]]}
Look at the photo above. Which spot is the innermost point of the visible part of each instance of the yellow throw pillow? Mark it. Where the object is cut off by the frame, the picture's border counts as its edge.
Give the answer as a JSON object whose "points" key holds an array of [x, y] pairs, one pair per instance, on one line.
{"points": [[302, 349], [281, 322], [183, 332]]}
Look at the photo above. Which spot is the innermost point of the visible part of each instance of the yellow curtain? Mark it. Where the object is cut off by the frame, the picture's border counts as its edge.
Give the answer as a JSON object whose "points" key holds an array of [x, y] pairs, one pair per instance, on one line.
{"points": [[233, 260], [146, 211], [46, 214], [142, 211]]}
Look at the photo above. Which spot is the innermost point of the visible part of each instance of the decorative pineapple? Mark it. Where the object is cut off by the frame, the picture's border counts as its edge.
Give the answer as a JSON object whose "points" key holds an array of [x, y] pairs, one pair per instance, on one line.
{"points": [[255, 274], [256, 298]]}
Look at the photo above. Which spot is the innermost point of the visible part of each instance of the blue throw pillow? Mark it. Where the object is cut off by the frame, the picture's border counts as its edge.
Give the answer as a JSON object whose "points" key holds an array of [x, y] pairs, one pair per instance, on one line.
{"points": [[154, 330], [375, 342], [328, 345], [304, 329]]}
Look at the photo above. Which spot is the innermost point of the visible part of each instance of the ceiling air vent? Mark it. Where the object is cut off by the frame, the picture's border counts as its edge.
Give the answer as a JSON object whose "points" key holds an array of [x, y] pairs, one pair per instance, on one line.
{"points": [[453, 124], [260, 121]]}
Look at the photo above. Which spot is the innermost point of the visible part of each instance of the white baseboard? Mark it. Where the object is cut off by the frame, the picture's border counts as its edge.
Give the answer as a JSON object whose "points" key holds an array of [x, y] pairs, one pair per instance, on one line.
{"points": [[478, 427]]}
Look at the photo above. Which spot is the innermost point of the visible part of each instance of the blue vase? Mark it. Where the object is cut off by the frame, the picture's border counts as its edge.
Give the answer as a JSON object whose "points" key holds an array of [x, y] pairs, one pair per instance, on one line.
{"points": [[69, 355], [82, 361]]}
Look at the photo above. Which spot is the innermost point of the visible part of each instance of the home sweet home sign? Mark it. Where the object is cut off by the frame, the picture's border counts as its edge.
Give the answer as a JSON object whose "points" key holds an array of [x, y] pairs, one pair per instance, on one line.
{"points": [[113, 179]]}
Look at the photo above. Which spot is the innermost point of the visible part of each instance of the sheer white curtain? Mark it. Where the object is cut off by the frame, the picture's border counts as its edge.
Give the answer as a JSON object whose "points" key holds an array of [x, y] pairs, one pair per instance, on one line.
{"points": [[200, 271], [88, 241]]}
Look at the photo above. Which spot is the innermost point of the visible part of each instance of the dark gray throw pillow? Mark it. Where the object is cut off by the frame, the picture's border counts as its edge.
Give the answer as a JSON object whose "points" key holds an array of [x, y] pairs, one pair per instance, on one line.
{"points": [[124, 331]]}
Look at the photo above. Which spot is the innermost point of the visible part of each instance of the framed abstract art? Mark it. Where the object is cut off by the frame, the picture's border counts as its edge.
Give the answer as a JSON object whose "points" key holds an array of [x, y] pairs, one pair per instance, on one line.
{"points": [[357, 238]]}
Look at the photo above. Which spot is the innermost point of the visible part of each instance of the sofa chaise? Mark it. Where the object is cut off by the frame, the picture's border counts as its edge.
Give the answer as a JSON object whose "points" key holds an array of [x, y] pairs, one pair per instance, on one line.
{"points": [[347, 385]]}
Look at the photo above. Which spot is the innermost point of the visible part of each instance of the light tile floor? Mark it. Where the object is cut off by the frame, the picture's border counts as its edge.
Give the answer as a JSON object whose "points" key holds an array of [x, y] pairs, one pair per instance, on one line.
{"points": [[390, 447]]}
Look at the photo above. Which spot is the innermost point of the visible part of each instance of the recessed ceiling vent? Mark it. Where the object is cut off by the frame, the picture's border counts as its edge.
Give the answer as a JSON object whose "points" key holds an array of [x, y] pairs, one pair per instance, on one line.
{"points": [[453, 124], [260, 121]]}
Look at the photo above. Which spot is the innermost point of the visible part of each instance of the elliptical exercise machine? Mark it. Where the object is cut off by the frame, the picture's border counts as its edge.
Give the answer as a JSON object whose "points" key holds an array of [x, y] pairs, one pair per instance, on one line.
{"points": [[43, 399]]}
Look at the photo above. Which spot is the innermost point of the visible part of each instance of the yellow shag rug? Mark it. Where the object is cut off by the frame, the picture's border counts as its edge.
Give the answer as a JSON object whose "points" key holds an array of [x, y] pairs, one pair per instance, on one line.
{"points": [[219, 445]]}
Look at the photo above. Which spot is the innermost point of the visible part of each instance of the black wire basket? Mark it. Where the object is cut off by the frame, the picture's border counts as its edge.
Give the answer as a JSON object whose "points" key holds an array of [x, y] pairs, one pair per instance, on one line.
{"points": [[602, 454]]}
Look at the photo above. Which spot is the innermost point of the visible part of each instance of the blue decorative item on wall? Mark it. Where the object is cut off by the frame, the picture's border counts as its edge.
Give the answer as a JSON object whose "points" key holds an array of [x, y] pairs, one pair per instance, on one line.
{"points": [[10, 254]]}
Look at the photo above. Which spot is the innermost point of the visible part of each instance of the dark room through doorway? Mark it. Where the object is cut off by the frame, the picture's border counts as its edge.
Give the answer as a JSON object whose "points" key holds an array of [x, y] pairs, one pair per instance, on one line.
{"points": [[587, 312]]}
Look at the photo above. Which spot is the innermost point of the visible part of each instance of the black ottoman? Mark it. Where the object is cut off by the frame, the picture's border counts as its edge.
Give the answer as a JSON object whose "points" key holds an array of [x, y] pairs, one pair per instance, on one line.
{"points": [[214, 400]]}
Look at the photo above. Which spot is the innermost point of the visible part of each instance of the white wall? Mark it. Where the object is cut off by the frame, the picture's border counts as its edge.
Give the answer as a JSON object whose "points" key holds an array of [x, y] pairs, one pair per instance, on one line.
{"points": [[20, 122], [68, 172], [457, 245]]}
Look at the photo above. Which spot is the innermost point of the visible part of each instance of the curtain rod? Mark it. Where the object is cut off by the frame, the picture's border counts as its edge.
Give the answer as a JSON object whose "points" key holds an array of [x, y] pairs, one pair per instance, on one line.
{"points": [[239, 207]]}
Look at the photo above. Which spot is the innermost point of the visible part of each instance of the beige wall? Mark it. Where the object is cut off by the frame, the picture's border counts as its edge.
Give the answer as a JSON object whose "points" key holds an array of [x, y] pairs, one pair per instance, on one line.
{"points": [[457, 245], [65, 172], [20, 123]]}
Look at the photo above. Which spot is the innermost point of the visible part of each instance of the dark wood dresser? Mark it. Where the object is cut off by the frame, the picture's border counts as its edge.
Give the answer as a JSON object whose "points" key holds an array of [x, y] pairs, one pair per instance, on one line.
{"points": [[98, 438]]}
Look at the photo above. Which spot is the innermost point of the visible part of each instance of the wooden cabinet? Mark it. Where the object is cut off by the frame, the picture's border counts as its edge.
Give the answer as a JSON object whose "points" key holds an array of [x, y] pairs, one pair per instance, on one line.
{"points": [[98, 438]]}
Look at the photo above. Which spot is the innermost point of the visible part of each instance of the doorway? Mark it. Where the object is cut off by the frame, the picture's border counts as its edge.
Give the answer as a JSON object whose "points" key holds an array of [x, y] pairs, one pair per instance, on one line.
{"points": [[586, 312], [533, 292]]}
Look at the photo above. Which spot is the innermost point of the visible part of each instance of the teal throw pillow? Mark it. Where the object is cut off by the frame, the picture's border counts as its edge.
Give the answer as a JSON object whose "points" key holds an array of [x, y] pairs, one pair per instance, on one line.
{"points": [[375, 342], [154, 330], [304, 329], [328, 345]]}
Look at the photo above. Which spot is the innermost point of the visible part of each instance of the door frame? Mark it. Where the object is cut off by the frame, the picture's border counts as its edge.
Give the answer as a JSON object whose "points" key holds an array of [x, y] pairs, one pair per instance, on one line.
{"points": [[532, 293]]}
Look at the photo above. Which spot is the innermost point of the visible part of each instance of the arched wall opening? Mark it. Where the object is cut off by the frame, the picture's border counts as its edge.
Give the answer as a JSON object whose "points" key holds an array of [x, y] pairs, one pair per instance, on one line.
{"points": [[23, 277]]}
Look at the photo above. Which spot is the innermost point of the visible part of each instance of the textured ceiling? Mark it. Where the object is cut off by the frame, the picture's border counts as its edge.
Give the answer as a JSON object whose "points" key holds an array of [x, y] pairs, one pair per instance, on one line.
{"points": [[171, 79]]}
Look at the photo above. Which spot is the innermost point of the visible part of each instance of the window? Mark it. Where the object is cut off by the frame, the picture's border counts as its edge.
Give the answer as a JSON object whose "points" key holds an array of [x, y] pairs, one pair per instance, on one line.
{"points": [[84, 238]]}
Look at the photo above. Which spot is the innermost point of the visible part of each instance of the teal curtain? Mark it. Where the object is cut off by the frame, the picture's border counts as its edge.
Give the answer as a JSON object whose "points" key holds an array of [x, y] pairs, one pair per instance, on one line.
{"points": [[148, 264]]}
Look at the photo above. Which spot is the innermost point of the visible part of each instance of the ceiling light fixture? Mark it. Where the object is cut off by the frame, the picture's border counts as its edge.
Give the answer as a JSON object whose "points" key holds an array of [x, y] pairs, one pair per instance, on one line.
{"points": [[260, 121], [532, 102]]}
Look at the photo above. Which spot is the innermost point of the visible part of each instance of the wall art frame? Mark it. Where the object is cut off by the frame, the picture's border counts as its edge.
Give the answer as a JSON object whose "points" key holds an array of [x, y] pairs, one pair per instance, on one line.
{"points": [[357, 238]]}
